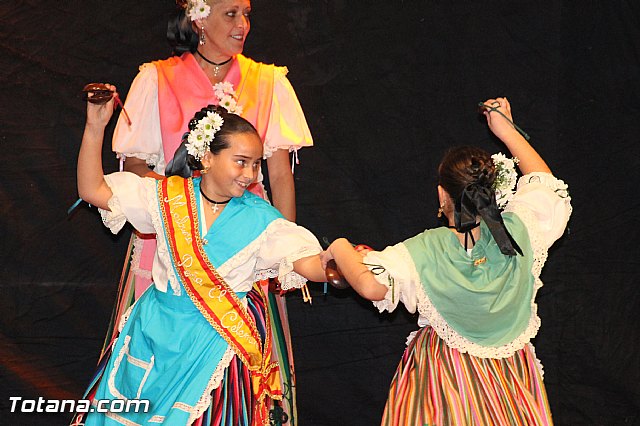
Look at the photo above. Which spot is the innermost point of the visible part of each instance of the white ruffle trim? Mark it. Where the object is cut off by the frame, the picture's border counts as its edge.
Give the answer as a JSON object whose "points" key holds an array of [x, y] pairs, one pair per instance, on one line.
{"points": [[285, 273], [125, 317], [287, 277], [113, 218], [242, 257], [400, 285], [449, 335], [462, 344], [540, 251], [410, 337], [214, 383], [537, 361], [150, 159], [136, 255], [268, 150]]}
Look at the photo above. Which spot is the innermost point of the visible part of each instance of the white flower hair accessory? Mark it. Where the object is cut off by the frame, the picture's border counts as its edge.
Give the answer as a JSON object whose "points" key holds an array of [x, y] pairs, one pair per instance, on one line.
{"points": [[506, 178], [196, 9], [199, 139]]}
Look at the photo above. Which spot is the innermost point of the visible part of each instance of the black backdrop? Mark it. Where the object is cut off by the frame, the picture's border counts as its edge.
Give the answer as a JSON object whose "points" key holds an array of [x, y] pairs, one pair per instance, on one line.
{"points": [[386, 87]]}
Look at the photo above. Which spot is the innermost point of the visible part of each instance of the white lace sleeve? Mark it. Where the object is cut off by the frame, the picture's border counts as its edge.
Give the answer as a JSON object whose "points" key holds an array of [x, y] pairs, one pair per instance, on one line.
{"points": [[400, 276], [284, 243], [132, 201], [288, 127], [142, 139], [542, 202]]}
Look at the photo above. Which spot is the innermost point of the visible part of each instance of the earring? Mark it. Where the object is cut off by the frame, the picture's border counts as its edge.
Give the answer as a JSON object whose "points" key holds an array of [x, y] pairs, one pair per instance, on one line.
{"points": [[204, 171], [202, 39], [440, 211]]}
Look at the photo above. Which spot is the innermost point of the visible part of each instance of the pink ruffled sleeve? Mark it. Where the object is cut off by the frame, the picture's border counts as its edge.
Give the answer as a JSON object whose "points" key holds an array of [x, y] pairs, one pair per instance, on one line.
{"points": [[288, 127]]}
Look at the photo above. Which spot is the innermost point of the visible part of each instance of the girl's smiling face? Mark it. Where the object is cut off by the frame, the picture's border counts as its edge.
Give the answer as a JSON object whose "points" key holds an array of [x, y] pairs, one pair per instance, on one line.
{"points": [[234, 168]]}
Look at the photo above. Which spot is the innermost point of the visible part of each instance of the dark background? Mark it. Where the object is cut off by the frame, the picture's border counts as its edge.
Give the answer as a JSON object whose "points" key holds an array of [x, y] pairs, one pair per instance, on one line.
{"points": [[386, 87]]}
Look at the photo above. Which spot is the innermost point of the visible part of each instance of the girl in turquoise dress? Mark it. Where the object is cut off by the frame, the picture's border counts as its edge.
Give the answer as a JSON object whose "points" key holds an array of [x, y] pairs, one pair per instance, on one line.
{"points": [[194, 345], [473, 284]]}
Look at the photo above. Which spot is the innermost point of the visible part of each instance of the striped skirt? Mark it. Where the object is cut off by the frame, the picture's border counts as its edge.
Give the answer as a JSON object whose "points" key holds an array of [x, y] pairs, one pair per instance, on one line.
{"points": [[435, 385], [232, 403]]}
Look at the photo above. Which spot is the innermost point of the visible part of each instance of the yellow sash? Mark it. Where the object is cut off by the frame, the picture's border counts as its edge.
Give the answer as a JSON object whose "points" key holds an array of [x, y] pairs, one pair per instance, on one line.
{"points": [[217, 302]]}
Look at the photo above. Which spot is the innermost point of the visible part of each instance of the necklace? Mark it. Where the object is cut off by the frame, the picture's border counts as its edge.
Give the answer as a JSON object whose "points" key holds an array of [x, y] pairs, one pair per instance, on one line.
{"points": [[217, 66], [214, 207]]}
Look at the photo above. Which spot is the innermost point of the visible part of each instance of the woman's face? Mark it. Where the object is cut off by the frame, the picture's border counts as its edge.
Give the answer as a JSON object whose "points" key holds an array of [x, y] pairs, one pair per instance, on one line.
{"points": [[234, 168], [226, 27]]}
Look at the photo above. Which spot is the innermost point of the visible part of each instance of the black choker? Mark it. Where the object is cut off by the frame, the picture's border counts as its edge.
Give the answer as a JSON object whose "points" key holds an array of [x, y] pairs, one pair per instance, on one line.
{"points": [[216, 65], [215, 203]]}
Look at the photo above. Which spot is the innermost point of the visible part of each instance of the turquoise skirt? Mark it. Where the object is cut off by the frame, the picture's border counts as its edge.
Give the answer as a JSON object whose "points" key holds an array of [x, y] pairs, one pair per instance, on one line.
{"points": [[166, 353]]}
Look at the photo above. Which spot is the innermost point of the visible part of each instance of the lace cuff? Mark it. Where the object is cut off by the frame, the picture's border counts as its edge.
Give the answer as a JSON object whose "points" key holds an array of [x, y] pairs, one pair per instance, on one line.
{"points": [[394, 268], [286, 275], [114, 218], [289, 279]]}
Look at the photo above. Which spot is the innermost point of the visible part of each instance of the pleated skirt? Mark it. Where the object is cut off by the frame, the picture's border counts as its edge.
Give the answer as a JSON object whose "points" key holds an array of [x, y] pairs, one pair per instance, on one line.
{"points": [[435, 385]]}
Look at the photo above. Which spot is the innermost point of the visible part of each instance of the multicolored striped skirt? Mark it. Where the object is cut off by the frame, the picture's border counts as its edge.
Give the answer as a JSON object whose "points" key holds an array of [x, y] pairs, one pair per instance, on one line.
{"points": [[232, 403], [435, 385]]}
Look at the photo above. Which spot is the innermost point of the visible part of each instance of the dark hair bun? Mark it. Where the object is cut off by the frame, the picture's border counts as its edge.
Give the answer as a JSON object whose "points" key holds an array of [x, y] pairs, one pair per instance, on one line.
{"points": [[180, 34]]}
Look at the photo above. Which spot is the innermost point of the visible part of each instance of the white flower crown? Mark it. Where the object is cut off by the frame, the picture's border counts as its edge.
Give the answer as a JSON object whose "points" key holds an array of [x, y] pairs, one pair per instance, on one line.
{"points": [[506, 178], [199, 139], [197, 9]]}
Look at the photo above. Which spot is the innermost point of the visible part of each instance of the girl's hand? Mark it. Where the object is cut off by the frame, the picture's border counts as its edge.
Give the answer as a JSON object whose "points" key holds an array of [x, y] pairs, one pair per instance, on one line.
{"points": [[328, 254], [500, 127], [325, 257], [98, 115]]}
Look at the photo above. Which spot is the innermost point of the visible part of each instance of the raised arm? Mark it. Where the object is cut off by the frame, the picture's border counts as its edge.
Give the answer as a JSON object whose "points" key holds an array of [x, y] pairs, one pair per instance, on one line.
{"points": [[92, 187], [530, 160]]}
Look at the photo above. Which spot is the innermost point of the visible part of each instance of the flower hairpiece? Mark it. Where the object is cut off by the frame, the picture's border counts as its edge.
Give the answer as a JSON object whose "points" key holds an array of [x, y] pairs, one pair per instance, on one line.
{"points": [[199, 139], [196, 9], [506, 178]]}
